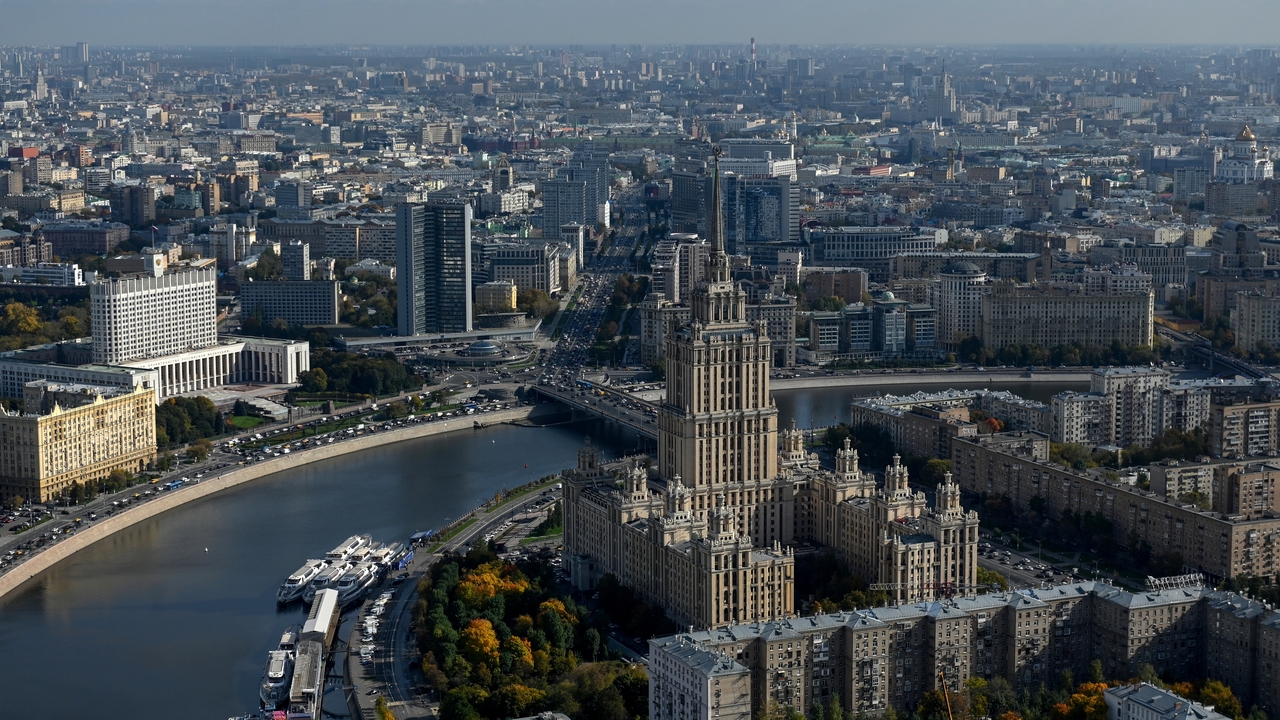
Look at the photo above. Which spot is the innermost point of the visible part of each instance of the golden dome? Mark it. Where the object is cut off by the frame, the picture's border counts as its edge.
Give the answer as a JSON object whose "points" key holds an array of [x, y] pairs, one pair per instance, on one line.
{"points": [[1246, 135]]}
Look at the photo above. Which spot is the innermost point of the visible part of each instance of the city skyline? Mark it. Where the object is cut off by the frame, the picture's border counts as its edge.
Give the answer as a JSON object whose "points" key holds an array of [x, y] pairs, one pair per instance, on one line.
{"points": [[984, 22]]}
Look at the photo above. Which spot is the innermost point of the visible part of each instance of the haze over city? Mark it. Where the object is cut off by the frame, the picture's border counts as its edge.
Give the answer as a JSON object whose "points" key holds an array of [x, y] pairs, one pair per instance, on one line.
{"points": [[550, 22]]}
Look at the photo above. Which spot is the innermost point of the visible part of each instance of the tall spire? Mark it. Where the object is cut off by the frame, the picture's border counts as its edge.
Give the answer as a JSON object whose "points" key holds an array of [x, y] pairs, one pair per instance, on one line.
{"points": [[715, 224]]}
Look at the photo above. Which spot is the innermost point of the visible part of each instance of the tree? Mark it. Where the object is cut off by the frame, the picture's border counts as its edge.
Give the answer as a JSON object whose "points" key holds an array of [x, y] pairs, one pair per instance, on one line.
{"points": [[268, 267], [536, 303], [830, 303], [991, 577], [20, 319], [1086, 703], [1223, 700], [199, 449], [314, 381], [382, 711], [934, 470], [478, 643]]}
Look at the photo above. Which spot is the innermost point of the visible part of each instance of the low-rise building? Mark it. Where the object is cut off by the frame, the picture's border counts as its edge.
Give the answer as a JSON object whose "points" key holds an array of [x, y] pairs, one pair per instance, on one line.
{"points": [[1143, 701], [373, 267], [496, 297], [65, 274]]}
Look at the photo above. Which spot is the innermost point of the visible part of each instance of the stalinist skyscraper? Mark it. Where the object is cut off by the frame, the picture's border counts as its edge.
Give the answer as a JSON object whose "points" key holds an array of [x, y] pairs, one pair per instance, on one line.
{"points": [[706, 532], [718, 429]]}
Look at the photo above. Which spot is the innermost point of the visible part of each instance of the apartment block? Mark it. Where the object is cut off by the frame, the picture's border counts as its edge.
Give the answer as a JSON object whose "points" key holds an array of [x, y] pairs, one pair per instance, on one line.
{"points": [[535, 266], [873, 660], [1256, 321], [71, 239], [311, 302], [73, 434], [1244, 429], [1016, 465], [1052, 316]]}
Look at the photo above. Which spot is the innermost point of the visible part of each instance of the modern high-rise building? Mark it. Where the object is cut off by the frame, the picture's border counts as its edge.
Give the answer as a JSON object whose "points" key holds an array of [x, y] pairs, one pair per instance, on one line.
{"points": [[296, 257], [759, 209], [150, 315], [433, 264], [564, 202], [590, 164], [133, 204]]}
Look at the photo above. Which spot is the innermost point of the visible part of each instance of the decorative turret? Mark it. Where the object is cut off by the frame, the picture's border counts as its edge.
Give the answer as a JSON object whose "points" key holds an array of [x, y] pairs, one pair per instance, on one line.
{"points": [[723, 524], [847, 460], [947, 499], [636, 482], [588, 458], [677, 498], [793, 446], [895, 477]]}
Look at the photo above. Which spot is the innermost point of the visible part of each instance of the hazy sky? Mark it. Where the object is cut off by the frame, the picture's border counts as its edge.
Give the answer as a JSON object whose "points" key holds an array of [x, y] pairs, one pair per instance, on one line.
{"points": [[428, 22]]}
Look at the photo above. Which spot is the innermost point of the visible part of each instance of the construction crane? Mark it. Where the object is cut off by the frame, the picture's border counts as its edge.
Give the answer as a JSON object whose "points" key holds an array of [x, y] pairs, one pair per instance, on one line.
{"points": [[946, 695]]}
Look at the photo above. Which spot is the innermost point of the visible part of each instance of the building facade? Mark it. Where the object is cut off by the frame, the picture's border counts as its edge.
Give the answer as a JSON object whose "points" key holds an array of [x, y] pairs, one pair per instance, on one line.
{"points": [[1052, 316], [433, 268], [307, 302], [151, 315], [870, 661], [73, 434]]}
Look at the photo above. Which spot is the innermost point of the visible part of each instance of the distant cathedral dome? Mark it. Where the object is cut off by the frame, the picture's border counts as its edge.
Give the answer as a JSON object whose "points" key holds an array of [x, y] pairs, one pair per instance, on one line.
{"points": [[1246, 135]]}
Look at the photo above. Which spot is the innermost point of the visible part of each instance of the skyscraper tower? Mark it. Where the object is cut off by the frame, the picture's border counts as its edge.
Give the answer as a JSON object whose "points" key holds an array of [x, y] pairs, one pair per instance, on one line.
{"points": [[718, 429], [433, 274]]}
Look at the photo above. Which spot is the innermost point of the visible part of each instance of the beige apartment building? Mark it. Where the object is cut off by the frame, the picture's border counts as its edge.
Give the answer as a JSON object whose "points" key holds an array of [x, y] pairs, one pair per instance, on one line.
{"points": [[1016, 465], [1049, 316], [1256, 321], [1244, 429], [497, 297], [877, 659], [73, 434]]}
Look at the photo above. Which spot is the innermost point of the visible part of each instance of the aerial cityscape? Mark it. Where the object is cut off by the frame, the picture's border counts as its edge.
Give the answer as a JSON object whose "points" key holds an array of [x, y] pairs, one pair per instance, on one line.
{"points": [[742, 379]]}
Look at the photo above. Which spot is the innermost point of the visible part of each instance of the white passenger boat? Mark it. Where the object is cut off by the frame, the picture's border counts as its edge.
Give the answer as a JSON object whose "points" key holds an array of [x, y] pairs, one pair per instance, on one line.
{"points": [[349, 547], [293, 587], [355, 582], [328, 578]]}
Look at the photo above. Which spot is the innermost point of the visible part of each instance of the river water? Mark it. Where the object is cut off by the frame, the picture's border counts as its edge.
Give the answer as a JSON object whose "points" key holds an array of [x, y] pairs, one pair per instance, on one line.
{"points": [[176, 614]]}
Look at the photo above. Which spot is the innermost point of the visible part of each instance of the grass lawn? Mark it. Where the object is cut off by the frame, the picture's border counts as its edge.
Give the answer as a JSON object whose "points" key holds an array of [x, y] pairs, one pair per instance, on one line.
{"points": [[551, 532], [244, 422]]}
